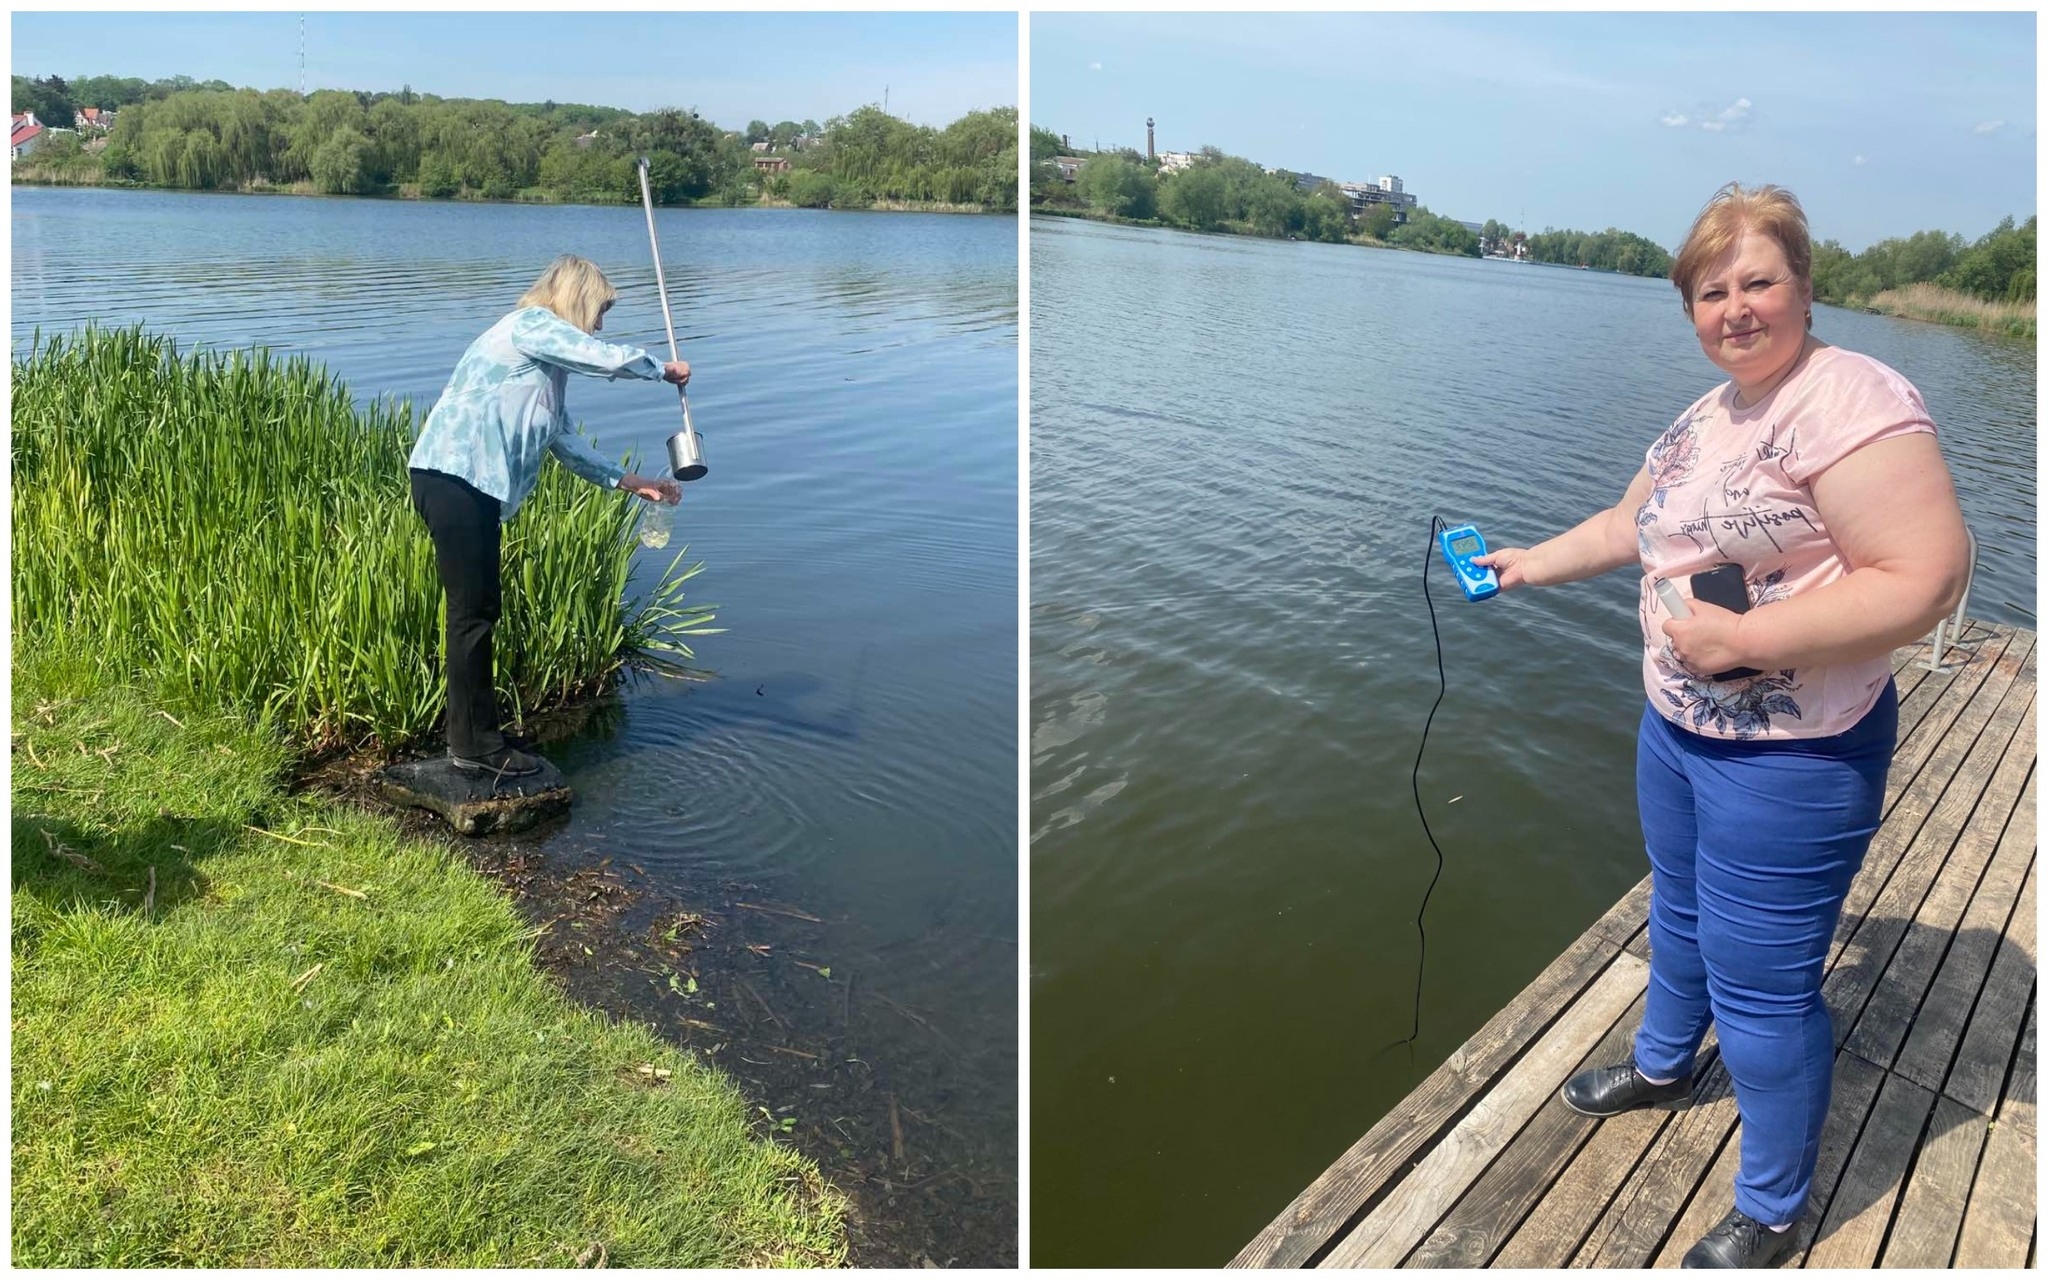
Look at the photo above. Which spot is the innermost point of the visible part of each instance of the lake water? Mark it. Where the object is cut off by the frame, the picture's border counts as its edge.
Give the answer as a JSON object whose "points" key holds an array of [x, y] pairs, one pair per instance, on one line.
{"points": [[854, 757], [1236, 449]]}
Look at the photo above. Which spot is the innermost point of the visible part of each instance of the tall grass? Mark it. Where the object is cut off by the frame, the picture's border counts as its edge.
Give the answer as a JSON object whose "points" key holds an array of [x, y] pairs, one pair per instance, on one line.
{"points": [[1947, 306], [234, 526]]}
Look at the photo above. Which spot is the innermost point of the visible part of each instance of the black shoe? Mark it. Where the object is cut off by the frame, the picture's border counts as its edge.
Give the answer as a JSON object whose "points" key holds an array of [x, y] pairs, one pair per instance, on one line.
{"points": [[505, 762], [1601, 1092], [1739, 1241]]}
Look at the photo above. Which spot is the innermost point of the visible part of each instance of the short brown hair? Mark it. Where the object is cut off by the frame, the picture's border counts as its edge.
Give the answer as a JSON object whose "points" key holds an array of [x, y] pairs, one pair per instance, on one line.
{"points": [[1769, 210], [574, 289]]}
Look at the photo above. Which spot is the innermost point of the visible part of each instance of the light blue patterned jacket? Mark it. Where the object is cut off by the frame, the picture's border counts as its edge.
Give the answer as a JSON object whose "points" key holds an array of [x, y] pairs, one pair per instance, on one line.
{"points": [[503, 406]]}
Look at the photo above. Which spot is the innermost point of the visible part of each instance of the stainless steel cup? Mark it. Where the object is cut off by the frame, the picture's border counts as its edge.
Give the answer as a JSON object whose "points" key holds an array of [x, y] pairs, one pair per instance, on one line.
{"points": [[686, 449]]}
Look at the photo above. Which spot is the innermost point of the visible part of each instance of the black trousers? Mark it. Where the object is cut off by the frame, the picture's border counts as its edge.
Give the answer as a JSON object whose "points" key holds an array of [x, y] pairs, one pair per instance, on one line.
{"points": [[463, 521]]}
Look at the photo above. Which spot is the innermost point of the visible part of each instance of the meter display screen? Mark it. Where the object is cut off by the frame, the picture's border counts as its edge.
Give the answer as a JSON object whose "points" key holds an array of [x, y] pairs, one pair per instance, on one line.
{"points": [[1466, 546]]}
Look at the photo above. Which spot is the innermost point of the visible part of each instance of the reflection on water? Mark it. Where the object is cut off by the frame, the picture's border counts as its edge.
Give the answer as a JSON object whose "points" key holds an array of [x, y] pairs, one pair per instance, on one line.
{"points": [[1237, 447], [852, 757]]}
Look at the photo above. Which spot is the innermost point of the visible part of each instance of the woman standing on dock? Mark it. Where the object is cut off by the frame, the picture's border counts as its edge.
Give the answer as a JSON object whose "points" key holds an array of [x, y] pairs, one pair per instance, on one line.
{"points": [[1761, 758], [478, 457]]}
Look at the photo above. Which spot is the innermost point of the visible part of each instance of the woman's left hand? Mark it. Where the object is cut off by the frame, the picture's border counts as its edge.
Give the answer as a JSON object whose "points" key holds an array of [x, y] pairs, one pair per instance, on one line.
{"points": [[1709, 641]]}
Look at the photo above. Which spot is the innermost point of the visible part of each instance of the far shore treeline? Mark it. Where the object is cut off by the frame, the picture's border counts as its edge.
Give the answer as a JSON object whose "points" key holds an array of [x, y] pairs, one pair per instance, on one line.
{"points": [[1934, 275], [209, 136]]}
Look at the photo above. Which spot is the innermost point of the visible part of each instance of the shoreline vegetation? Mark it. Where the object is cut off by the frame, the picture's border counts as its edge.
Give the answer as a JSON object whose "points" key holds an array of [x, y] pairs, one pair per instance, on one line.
{"points": [[277, 569], [1985, 284], [256, 1029], [182, 135], [255, 1025]]}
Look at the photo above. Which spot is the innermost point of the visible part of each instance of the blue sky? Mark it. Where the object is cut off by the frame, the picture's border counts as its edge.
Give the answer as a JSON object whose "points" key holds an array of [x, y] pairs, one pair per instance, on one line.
{"points": [[1882, 123], [731, 67]]}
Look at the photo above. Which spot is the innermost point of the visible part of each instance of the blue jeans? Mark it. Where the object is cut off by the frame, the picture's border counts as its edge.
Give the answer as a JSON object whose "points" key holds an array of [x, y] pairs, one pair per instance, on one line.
{"points": [[1752, 847]]}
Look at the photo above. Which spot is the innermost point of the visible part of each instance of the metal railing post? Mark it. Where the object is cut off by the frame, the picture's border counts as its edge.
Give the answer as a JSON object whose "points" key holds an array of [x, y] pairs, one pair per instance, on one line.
{"points": [[1953, 623]]}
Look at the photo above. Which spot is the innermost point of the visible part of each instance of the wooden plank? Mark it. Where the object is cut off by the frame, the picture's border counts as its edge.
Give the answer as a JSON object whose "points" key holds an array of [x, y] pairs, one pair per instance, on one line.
{"points": [[1931, 1212], [1938, 702], [1938, 1027], [1873, 920], [1911, 790], [2003, 761], [1627, 920], [1551, 1233], [1322, 1209], [1919, 687], [1401, 1221], [1862, 1206], [1482, 1220], [1998, 1225], [2017, 1106], [1634, 1225], [1855, 1094], [1999, 1222], [1978, 1073], [1710, 1202]]}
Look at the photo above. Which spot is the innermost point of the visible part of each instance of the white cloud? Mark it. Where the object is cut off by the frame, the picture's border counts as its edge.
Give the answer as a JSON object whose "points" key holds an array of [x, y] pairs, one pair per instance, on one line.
{"points": [[1713, 126], [1989, 126], [1095, 66], [1860, 160], [1675, 120], [1736, 112]]}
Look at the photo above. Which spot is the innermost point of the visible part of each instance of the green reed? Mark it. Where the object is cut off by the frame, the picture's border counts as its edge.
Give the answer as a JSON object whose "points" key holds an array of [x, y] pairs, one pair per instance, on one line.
{"points": [[234, 525]]}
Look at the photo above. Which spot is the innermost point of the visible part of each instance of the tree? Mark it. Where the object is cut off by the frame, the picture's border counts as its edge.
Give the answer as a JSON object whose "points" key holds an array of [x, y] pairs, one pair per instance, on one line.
{"points": [[1195, 197], [1117, 187], [1377, 221], [49, 98], [1326, 214], [337, 167], [757, 131]]}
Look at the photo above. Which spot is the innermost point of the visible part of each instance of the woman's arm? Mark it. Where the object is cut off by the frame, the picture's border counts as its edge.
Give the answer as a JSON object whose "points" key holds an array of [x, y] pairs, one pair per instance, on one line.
{"points": [[1891, 509], [1603, 541], [540, 334]]}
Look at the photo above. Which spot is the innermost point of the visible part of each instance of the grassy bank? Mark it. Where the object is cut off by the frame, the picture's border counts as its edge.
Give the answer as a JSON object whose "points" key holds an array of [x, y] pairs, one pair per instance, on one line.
{"points": [[257, 1030], [1947, 306], [235, 528]]}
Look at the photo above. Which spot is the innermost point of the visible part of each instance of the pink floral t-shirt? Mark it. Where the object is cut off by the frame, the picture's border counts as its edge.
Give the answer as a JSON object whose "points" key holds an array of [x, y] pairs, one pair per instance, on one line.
{"points": [[1735, 485]]}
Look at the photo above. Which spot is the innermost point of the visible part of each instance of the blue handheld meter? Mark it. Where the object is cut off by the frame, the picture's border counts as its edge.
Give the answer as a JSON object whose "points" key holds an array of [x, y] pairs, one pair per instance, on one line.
{"points": [[1459, 545]]}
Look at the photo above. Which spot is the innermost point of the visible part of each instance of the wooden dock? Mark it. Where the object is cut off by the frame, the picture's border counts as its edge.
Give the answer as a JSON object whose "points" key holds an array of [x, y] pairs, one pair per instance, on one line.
{"points": [[1927, 1159]]}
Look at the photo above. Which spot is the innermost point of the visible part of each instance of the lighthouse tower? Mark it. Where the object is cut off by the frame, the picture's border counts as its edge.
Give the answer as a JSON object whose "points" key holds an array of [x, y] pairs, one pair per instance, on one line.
{"points": [[1148, 139]]}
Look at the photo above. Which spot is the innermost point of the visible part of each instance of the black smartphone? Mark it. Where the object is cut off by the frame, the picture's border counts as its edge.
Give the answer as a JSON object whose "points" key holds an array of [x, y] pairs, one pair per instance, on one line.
{"points": [[1723, 585]]}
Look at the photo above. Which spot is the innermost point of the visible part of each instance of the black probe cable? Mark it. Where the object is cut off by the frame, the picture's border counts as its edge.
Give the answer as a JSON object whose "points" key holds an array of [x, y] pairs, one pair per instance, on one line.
{"points": [[1415, 783]]}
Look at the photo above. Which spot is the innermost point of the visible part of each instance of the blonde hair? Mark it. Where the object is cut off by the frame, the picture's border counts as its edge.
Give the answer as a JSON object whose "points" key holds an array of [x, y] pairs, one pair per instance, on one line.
{"points": [[1768, 210], [574, 289]]}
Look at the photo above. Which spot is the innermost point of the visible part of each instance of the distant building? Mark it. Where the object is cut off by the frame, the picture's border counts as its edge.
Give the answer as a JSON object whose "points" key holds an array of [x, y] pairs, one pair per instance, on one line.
{"points": [[759, 148], [1386, 191], [771, 164], [1175, 161], [585, 139], [26, 134], [1069, 167], [94, 120]]}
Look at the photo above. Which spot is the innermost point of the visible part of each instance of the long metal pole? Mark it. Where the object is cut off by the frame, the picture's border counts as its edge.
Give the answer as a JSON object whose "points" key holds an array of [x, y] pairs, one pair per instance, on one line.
{"points": [[647, 203], [691, 465]]}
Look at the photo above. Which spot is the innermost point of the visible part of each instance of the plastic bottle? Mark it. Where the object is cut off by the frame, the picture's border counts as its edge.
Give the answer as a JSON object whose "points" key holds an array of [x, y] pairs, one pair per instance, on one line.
{"points": [[655, 523]]}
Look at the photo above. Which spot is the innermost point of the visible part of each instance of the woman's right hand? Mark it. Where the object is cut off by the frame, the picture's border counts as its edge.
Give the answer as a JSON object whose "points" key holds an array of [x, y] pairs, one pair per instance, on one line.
{"points": [[676, 371], [1506, 564]]}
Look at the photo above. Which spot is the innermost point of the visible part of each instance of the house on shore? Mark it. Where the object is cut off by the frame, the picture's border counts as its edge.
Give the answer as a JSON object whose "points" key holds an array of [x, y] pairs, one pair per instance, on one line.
{"points": [[27, 133]]}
